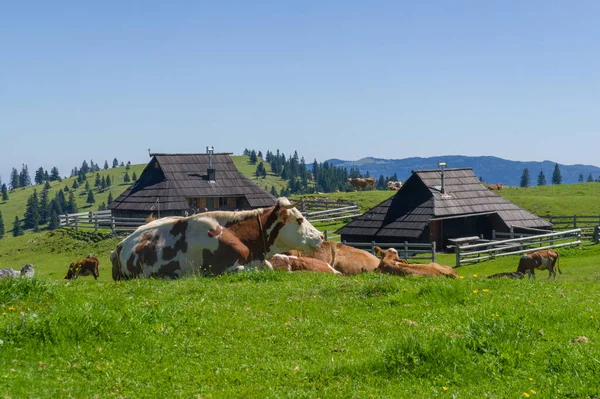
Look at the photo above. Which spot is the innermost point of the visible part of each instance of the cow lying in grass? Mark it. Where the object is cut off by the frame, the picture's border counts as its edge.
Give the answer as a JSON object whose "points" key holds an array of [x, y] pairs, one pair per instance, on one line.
{"points": [[83, 267], [507, 275], [390, 263], [343, 258], [292, 263], [544, 259], [26, 271]]}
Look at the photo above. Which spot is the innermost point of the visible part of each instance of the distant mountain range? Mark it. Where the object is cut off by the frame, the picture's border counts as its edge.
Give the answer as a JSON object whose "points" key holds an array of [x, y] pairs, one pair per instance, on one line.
{"points": [[490, 169]]}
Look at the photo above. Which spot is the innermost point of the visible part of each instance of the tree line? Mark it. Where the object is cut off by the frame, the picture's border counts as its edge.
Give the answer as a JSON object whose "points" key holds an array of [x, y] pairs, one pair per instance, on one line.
{"points": [[556, 177]]}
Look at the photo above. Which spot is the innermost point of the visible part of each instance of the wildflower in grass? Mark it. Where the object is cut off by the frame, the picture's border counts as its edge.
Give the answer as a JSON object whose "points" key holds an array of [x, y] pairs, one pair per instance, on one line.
{"points": [[526, 394], [532, 391], [11, 309], [530, 379], [495, 315], [475, 291], [474, 275], [4, 314], [445, 388], [485, 290], [462, 277]]}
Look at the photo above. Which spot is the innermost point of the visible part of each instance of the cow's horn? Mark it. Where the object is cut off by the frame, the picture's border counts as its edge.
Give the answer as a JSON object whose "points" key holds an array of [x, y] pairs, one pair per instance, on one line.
{"points": [[292, 205]]}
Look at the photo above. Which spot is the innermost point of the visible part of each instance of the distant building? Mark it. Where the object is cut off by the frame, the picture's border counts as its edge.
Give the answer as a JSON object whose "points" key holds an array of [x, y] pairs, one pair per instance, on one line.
{"points": [[424, 211], [176, 184]]}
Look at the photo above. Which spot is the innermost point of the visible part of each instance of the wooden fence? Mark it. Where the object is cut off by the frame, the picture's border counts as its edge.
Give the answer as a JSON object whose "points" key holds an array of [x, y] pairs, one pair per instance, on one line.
{"points": [[587, 224], [324, 211], [100, 220], [493, 249], [406, 250]]}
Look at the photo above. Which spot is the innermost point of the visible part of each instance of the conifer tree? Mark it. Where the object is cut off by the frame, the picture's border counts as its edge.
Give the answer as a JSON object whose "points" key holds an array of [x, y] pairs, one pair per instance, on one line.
{"points": [[32, 212], [85, 168], [98, 181], [580, 178], [43, 206], [87, 185], [1, 225], [590, 178], [128, 165], [75, 185], [72, 204], [54, 222], [60, 197], [39, 176], [556, 176], [17, 229], [47, 186], [108, 182], [109, 200], [115, 163], [126, 178], [102, 207], [54, 175], [134, 177], [103, 183], [105, 165], [525, 178], [541, 181], [14, 179], [273, 191], [24, 178], [90, 198], [253, 158], [5, 192], [66, 189]]}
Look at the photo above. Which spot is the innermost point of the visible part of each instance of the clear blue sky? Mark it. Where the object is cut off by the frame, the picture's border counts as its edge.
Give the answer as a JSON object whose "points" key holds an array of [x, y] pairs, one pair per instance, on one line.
{"points": [[336, 79]]}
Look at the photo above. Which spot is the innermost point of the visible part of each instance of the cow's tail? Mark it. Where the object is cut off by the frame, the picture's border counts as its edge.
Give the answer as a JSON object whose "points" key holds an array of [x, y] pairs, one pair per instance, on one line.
{"points": [[558, 262], [115, 259]]}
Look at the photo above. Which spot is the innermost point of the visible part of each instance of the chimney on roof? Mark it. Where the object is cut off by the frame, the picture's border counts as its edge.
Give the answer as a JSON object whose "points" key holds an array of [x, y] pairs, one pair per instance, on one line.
{"points": [[211, 171], [441, 165]]}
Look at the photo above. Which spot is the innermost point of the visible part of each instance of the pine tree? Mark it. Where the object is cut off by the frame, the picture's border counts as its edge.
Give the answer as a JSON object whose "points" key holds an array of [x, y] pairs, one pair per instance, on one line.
{"points": [[103, 183], [590, 179], [87, 185], [102, 207], [253, 158], [1, 225], [54, 220], [72, 204], [580, 179], [60, 198], [17, 229], [541, 181], [85, 169], [54, 175], [14, 179], [39, 176], [98, 181], [110, 198], [47, 186], [556, 176], [43, 206], [24, 178], [108, 182], [32, 212], [134, 177], [128, 165], [66, 189], [273, 191], [90, 198], [115, 163], [525, 178], [46, 176], [5, 192], [105, 165], [126, 178], [75, 185]]}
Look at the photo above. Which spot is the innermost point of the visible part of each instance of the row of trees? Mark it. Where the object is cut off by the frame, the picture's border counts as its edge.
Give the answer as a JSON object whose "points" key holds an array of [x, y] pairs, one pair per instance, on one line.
{"points": [[556, 177]]}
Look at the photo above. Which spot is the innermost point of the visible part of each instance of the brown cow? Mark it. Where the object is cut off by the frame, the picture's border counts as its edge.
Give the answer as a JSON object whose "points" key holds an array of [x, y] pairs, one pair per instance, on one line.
{"points": [[292, 263], [543, 259], [391, 264], [495, 186], [360, 182], [343, 258], [83, 267]]}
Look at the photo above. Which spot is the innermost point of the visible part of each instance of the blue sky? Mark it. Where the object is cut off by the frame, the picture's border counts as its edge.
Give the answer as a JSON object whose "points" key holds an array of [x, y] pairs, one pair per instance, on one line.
{"points": [[337, 79]]}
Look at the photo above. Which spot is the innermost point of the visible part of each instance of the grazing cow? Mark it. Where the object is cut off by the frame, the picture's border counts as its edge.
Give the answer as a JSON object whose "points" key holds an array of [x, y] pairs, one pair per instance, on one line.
{"points": [[292, 263], [394, 185], [494, 187], [26, 271], [390, 263], [507, 275], [343, 258], [84, 267], [543, 259], [360, 182], [212, 242]]}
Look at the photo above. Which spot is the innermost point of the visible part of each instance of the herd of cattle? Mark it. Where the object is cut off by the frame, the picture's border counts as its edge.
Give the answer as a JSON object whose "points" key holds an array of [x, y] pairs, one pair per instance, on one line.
{"points": [[277, 238], [369, 182]]}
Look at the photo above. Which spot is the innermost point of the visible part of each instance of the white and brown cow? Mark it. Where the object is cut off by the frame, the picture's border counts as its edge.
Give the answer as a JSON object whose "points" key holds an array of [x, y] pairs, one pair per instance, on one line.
{"points": [[212, 242], [362, 182], [543, 259], [87, 266], [343, 258]]}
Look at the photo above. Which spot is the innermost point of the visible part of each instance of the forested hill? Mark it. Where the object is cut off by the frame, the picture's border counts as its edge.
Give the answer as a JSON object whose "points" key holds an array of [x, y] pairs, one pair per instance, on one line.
{"points": [[491, 169]]}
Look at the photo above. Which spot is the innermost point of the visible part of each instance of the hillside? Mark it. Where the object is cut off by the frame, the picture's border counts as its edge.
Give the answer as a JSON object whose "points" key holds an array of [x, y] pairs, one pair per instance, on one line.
{"points": [[491, 169]]}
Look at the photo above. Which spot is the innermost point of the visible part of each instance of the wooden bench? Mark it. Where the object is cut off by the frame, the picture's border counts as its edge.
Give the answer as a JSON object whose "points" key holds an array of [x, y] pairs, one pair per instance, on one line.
{"points": [[461, 241]]}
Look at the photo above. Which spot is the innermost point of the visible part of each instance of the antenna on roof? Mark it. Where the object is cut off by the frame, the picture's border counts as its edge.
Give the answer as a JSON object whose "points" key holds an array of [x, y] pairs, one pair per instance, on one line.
{"points": [[442, 165], [149, 153], [211, 170]]}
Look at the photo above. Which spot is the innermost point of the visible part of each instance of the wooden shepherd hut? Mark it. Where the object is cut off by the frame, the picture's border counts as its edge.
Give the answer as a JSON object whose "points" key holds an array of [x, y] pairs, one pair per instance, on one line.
{"points": [[437, 205], [176, 184]]}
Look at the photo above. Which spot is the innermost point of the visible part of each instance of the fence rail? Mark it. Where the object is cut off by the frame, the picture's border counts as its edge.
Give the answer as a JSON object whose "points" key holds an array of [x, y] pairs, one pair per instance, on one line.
{"points": [[493, 249], [406, 250], [100, 220]]}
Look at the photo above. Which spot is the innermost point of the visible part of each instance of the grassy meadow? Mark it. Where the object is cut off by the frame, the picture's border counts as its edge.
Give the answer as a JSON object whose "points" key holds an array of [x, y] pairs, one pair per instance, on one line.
{"points": [[299, 335]]}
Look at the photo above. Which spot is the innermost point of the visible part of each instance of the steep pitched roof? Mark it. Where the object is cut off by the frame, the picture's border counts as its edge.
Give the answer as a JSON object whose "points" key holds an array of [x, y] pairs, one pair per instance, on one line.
{"points": [[171, 178], [419, 200]]}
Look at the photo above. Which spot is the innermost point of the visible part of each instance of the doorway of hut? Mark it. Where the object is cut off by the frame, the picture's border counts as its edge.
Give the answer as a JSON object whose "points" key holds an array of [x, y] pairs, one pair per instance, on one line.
{"points": [[444, 228]]}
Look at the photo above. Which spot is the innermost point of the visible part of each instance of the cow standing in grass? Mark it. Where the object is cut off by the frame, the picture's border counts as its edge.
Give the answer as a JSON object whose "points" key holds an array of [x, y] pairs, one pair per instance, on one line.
{"points": [[87, 266], [544, 259]]}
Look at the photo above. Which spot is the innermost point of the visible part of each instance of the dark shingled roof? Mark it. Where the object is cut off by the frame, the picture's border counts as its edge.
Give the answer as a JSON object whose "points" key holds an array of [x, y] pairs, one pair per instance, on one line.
{"points": [[171, 178], [408, 212]]}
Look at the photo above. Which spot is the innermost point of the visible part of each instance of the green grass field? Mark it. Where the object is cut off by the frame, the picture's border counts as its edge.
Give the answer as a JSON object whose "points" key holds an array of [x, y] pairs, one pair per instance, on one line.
{"points": [[301, 335]]}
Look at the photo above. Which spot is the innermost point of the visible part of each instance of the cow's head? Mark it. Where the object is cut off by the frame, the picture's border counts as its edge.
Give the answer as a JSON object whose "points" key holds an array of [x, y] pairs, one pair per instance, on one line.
{"points": [[294, 231]]}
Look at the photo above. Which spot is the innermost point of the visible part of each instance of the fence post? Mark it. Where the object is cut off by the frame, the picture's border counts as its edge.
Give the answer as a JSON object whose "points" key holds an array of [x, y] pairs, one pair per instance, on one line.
{"points": [[66, 218], [512, 232], [95, 222], [372, 247], [433, 251], [76, 222], [112, 224], [596, 234], [551, 220], [406, 250], [575, 221], [325, 234], [493, 235], [457, 250]]}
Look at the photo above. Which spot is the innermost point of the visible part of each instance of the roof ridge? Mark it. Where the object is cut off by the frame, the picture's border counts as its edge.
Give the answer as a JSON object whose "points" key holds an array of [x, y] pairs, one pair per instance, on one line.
{"points": [[439, 170]]}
